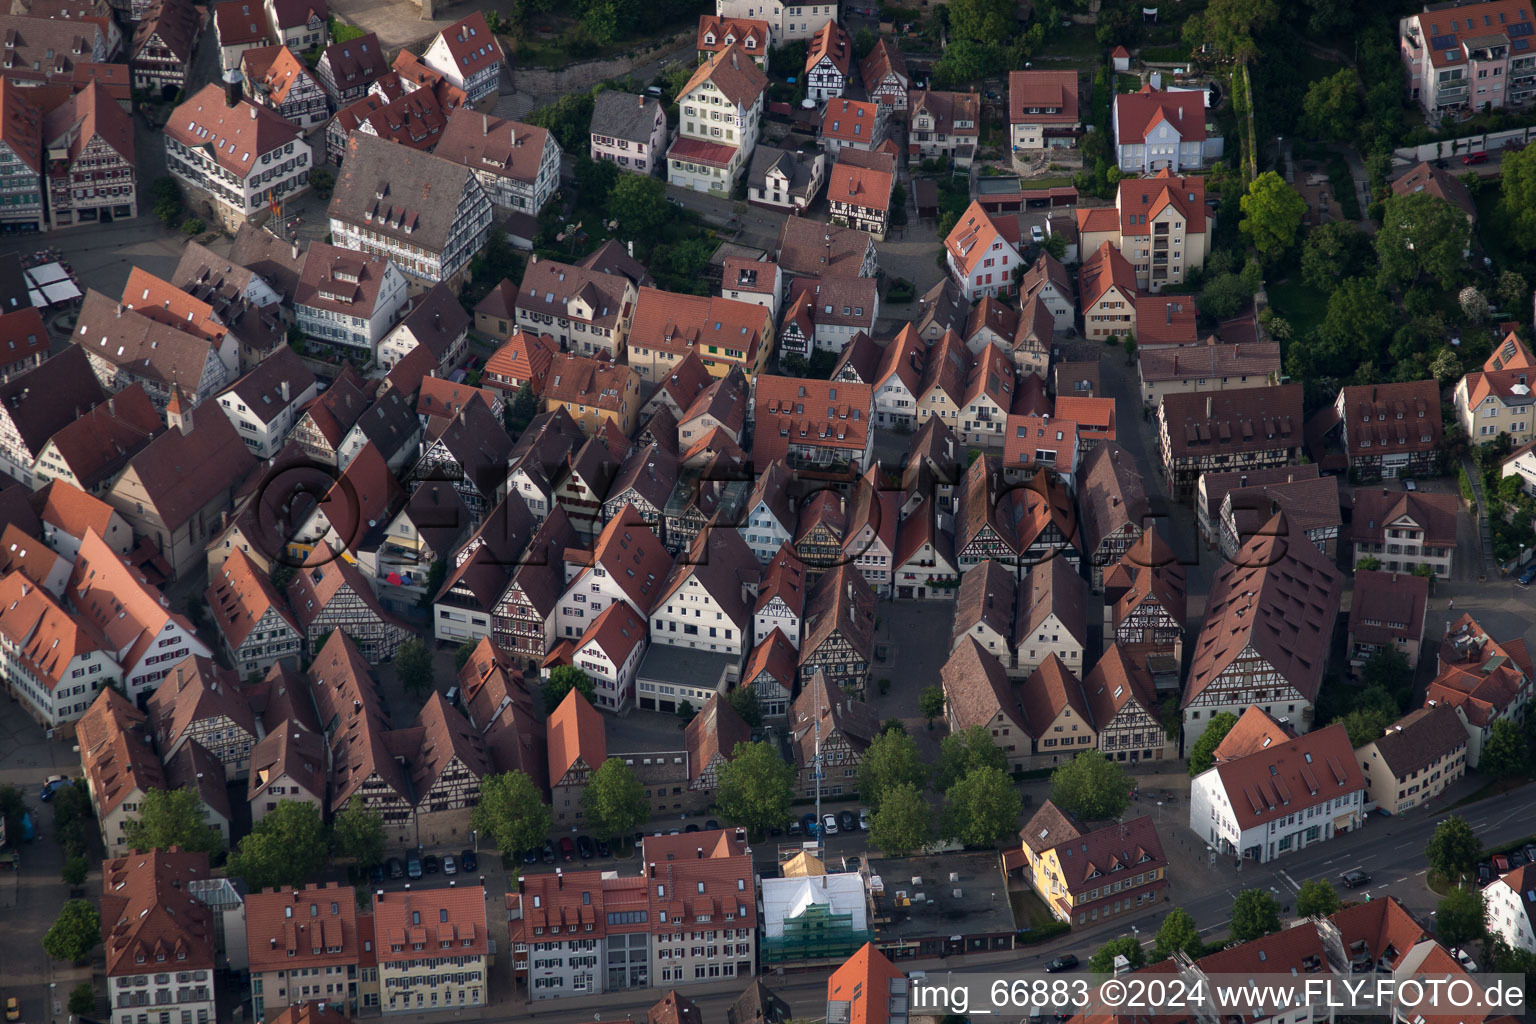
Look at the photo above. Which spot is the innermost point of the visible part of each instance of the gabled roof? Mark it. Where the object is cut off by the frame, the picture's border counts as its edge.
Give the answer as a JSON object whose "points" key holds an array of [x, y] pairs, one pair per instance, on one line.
{"points": [[812, 249], [576, 733], [716, 33], [852, 182], [448, 742], [841, 601], [1137, 113], [946, 108], [1402, 416], [290, 14], [241, 596], [714, 732], [883, 61], [1053, 587], [175, 23], [648, 472], [906, 359], [818, 700], [733, 72], [1232, 421], [1116, 680], [622, 115], [852, 121], [415, 119], [632, 556], [1376, 508], [305, 928], [975, 233], [867, 983], [1279, 598], [1419, 739], [340, 280], [792, 410], [977, 690], [508, 149], [677, 323], [117, 754], [1426, 177], [1111, 494], [91, 114], [405, 195], [240, 22], [149, 912], [1255, 730], [1147, 197], [471, 44], [1274, 783], [1387, 606], [948, 366], [356, 62], [784, 579], [774, 656], [987, 596], [44, 399], [830, 43], [860, 359], [1042, 97], [1050, 690], [1166, 320], [1104, 270], [236, 136], [1260, 360]]}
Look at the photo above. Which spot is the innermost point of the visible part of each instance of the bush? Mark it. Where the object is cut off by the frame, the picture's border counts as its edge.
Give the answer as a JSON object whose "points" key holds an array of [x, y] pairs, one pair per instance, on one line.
{"points": [[192, 226], [1034, 936]]}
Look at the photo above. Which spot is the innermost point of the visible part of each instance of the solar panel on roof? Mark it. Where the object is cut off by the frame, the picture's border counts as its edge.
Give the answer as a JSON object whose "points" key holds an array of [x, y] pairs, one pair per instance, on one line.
{"points": [[1521, 44], [1445, 42], [1523, 28]]}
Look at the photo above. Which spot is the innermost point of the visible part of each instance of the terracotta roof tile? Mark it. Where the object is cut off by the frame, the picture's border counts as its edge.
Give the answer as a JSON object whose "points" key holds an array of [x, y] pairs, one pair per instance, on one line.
{"points": [[1275, 782], [576, 736], [239, 135], [148, 912]]}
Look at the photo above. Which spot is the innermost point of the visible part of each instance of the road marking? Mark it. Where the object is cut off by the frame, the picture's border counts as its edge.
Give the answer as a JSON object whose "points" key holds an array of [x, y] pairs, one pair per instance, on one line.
{"points": [[1418, 873], [1291, 881]]}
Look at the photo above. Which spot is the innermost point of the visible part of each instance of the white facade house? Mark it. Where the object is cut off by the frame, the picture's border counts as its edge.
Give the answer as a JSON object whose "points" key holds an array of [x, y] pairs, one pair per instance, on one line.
{"points": [[348, 298], [517, 164], [1280, 799], [609, 652], [1157, 130], [769, 517], [691, 614], [788, 22], [1511, 908], [264, 404], [243, 157], [467, 54], [33, 625], [719, 111], [629, 130]]}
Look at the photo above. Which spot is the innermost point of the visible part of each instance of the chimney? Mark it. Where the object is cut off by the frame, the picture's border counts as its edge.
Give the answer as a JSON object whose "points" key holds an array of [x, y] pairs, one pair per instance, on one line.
{"points": [[295, 250], [111, 405], [485, 124], [286, 392], [1210, 407], [232, 88]]}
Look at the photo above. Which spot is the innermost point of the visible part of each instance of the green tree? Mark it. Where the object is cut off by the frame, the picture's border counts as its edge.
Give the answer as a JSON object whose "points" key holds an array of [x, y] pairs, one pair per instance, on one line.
{"points": [[74, 819], [323, 181], [413, 664], [511, 813], [1317, 898], [1254, 914], [982, 807], [357, 834], [754, 789], [891, 761], [614, 800], [1128, 946], [1331, 108], [287, 847], [172, 817], [1461, 917], [1511, 291], [903, 822], [522, 409], [1130, 350], [964, 751], [75, 869], [1421, 236], [1223, 295], [1056, 244], [75, 932], [1454, 848], [1365, 724], [1178, 933], [930, 703], [982, 20], [1091, 787], [1368, 563], [1517, 195], [569, 119], [1230, 27], [82, 1000], [893, 725], [1505, 753], [1202, 752], [562, 680], [744, 701], [463, 652], [639, 203], [686, 711], [1272, 213], [1387, 668], [1332, 252]]}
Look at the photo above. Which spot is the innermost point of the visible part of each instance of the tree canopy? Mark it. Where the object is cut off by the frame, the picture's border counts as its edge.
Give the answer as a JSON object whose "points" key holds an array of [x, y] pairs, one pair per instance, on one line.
{"points": [[1177, 933], [961, 752], [1505, 752], [904, 822], [75, 932], [614, 800], [1091, 787], [1421, 236], [1230, 27], [1460, 919], [1254, 913], [639, 203], [172, 817], [1272, 214], [891, 761], [289, 846], [1202, 751], [983, 807], [1517, 195], [745, 702], [1128, 946], [1334, 251], [413, 664], [511, 813], [1331, 108], [1454, 848], [755, 787], [562, 680], [930, 703], [1317, 898], [357, 833]]}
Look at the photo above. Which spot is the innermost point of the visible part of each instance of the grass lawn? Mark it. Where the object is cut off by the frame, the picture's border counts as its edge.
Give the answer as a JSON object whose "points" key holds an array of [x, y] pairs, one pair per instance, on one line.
{"points": [[1077, 43], [1299, 303], [1029, 910], [1496, 243]]}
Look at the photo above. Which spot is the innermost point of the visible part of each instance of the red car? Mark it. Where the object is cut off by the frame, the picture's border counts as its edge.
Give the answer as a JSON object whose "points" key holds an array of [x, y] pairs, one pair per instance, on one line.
{"points": [[1474, 158], [567, 848]]}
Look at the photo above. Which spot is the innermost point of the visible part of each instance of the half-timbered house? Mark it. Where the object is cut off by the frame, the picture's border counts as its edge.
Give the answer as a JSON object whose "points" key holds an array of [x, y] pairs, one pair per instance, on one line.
{"points": [[840, 630], [1123, 701], [711, 739], [769, 517], [644, 483], [329, 594], [585, 484], [770, 673], [829, 730], [1113, 501], [577, 748], [473, 452], [821, 529], [781, 598], [199, 701], [447, 765], [523, 621]]}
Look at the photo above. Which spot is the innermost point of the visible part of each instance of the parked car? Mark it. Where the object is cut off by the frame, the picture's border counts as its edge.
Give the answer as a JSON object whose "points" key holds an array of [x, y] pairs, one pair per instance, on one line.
{"points": [[1529, 575], [847, 821], [1061, 963], [795, 829], [691, 827], [863, 819], [711, 825], [567, 848], [377, 874], [468, 861], [548, 853], [653, 91], [531, 855], [1474, 158], [1466, 961], [430, 864], [12, 1008], [396, 868], [1036, 234], [51, 786], [1355, 878], [412, 866], [603, 849], [450, 866], [829, 823], [585, 848], [638, 837]]}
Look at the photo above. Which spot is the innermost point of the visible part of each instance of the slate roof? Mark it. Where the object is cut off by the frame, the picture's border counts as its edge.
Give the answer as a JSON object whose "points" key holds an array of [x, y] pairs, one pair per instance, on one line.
{"points": [[420, 192], [622, 115]]}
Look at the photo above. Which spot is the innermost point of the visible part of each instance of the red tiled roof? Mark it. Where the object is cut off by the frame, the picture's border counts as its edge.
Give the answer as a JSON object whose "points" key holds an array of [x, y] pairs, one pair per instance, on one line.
{"points": [[975, 232], [1147, 197], [148, 912], [864, 983], [472, 44], [454, 915], [575, 733], [1104, 270], [238, 135], [793, 411], [1137, 112], [850, 120], [1280, 780], [309, 928], [1042, 97]]}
